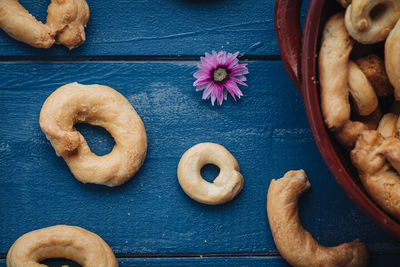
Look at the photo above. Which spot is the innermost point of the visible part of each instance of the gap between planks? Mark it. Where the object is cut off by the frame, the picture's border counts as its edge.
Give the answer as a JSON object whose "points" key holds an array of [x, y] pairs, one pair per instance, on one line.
{"points": [[82, 59]]}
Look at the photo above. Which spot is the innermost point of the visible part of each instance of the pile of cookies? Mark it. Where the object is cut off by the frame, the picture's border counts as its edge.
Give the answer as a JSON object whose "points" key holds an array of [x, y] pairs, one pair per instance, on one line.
{"points": [[359, 74]]}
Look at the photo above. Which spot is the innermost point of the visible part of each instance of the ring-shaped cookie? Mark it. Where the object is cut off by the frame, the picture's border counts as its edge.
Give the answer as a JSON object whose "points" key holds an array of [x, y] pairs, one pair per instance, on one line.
{"points": [[392, 59], [66, 22], [100, 106], [296, 244], [370, 21], [226, 185], [61, 241]]}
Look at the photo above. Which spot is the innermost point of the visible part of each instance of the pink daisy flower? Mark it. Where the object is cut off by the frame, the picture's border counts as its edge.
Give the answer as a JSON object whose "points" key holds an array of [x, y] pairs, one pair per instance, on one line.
{"points": [[218, 75]]}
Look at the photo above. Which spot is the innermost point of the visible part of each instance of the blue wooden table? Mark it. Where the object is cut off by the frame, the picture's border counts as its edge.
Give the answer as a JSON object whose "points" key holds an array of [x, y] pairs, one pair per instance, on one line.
{"points": [[148, 51]]}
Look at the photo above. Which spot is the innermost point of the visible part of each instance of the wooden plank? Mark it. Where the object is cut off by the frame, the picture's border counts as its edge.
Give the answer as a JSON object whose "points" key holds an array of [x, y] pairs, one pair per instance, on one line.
{"points": [[266, 131], [142, 28], [245, 261], [376, 261]]}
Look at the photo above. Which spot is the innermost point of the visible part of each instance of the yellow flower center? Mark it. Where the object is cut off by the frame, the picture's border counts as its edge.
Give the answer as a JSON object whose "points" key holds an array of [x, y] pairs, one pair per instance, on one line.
{"points": [[220, 75]]}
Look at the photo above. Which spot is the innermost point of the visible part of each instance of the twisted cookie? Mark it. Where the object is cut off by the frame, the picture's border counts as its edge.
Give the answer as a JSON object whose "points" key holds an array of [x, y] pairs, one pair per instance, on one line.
{"points": [[101, 106], [65, 25], [68, 19], [61, 241], [374, 156], [294, 243]]}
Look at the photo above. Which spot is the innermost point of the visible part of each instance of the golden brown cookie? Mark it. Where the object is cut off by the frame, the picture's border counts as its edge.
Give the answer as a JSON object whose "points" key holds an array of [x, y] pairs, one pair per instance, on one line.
{"points": [[392, 59], [66, 22], [100, 106], [374, 156], [61, 241], [296, 244], [333, 72], [374, 69], [370, 21]]}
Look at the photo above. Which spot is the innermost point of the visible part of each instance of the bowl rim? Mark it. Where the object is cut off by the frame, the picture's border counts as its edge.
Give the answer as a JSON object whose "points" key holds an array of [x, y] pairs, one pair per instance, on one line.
{"points": [[311, 104]]}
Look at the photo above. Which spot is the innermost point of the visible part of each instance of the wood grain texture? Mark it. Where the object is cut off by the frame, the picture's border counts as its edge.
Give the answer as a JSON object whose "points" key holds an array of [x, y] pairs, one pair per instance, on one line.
{"points": [[176, 27], [273, 261], [178, 262], [266, 131]]}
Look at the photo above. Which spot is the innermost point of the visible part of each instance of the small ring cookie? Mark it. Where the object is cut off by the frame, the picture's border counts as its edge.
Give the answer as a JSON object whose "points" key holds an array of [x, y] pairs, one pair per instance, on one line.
{"points": [[100, 106], [225, 187], [61, 241], [370, 21]]}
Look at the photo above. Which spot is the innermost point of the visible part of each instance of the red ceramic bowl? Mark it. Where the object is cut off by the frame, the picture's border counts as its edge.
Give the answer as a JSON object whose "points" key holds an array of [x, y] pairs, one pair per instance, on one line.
{"points": [[299, 56]]}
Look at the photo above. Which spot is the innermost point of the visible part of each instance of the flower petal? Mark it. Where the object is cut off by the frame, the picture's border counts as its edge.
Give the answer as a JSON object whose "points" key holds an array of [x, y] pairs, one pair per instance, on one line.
{"points": [[221, 58], [233, 90], [208, 91], [232, 60], [213, 99], [206, 63], [203, 86], [201, 81], [242, 78], [201, 75], [239, 67], [238, 81]]}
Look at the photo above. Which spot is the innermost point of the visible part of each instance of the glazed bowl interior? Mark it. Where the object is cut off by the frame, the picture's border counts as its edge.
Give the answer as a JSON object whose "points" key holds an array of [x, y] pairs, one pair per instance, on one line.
{"points": [[336, 157]]}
